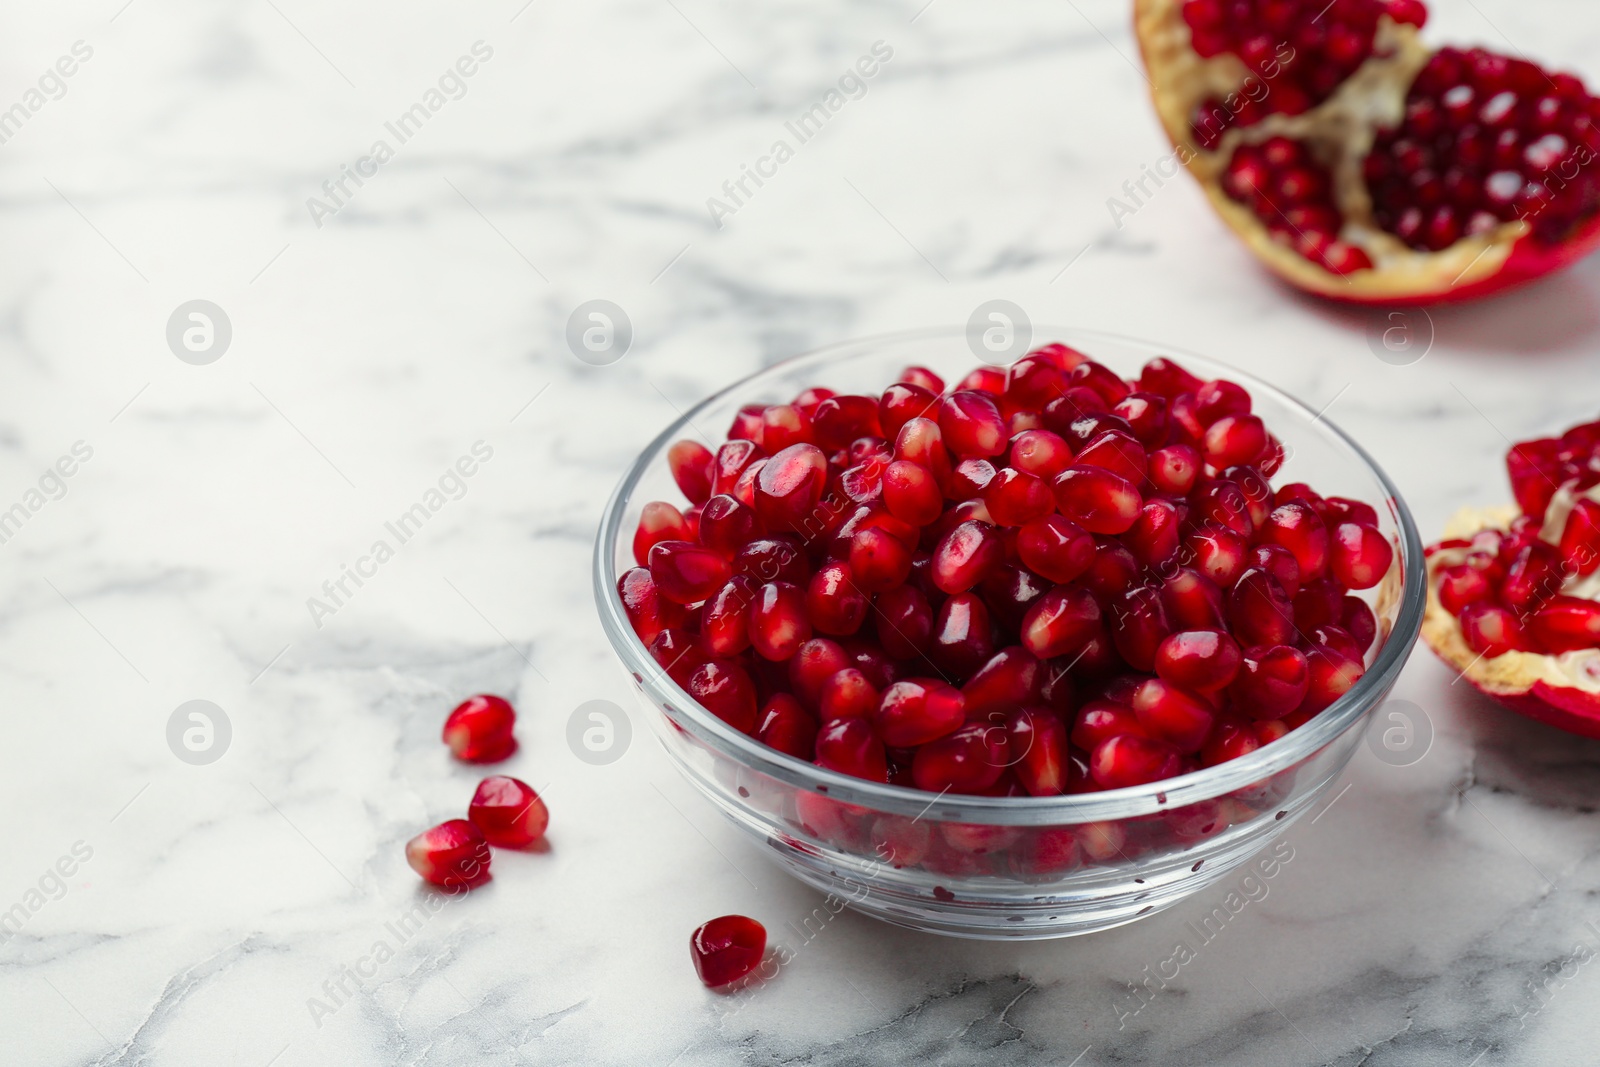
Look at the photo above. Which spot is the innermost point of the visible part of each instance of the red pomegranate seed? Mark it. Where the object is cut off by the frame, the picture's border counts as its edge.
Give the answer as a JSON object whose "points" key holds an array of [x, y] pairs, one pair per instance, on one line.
{"points": [[914, 711], [1256, 489], [727, 949], [1296, 526], [1154, 536], [729, 463], [1463, 584], [1533, 577], [1332, 673], [839, 420], [1338, 639], [1015, 498], [911, 493], [479, 729], [1219, 553], [783, 425], [1359, 556], [1259, 611], [726, 525], [920, 441], [1173, 470], [1038, 749], [1201, 660], [1146, 414], [453, 854], [1337, 509], [813, 664], [834, 603], [969, 760], [1229, 740], [970, 424], [1166, 378], [924, 377], [679, 654], [1317, 604], [1129, 760], [1172, 715], [1580, 538], [1359, 622], [1193, 601], [1138, 626], [1278, 562], [1099, 720], [847, 695], [901, 403], [1113, 572], [1184, 426], [878, 560], [788, 727], [850, 747], [690, 462], [904, 621], [808, 399], [1061, 622], [648, 612], [965, 556], [789, 487], [963, 635], [1235, 439], [723, 688], [1219, 398], [1566, 624], [508, 812], [969, 478], [779, 622], [1491, 630], [1097, 499], [747, 424], [1040, 453], [1272, 682], [990, 380], [687, 573], [1033, 381], [1012, 677], [725, 618], [1118, 452], [1055, 548], [1102, 379], [744, 490]]}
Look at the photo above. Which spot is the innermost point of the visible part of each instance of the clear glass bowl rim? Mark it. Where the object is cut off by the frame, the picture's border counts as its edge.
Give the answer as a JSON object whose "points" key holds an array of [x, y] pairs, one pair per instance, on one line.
{"points": [[1110, 804]]}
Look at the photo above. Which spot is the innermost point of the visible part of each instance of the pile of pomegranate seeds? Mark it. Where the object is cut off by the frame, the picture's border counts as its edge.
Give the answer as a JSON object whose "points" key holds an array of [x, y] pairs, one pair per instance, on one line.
{"points": [[1292, 194], [1043, 580], [1506, 587], [727, 949], [1299, 50], [1485, 140]]}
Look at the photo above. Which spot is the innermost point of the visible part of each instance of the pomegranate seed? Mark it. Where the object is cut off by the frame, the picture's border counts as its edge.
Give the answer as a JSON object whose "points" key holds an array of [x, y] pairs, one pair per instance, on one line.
{"points": [[1138, 626], [1359, 622], [911, 492], [1317, 604], [747, 424], [878, 560], [839, 420], [788, 727], [1061, 622], [1173, 470], [1229, 740], [723, 688], [904, 621], [778, 620], [1097, 499], [924, 377], [1272, 681], [1256, 489], [648, 612], [1259, 611], [1015, 498], [1032, 382], [1113, 571], [813, 664], [847, 695], [983, 380], [690, 462], [789, 486], [1296, 526], [914, 711], [727, 949], [1146, 414], [833, 601], [773, 559], [479, 729], [1332, 673], [453, 854], [965, 556], [969, 478], [508, 812], [1099, 720], [1491, 630], [1154, 536], [726, 525], [1118, 452], [1055, 548], [1171, 715], [1359, 556], [1533, 577], [1129, 760], [687, 573], [902, 402], [969, 760], [1193, 601], [850, 747], [1218, 399], [1102, 379], [1201, 660], [970, 424], [725, 618], [730, 462], [1566, 624], [1040, 453], [1219, 553], [1278, 562], [1011, 678], [1580, 538], [1166, 378], [1038, 746], [1010, 591], [1223, 503], [808, 399], [783, 425], [1235, 439], [963, 635], [1337, 509], [679, 654]]}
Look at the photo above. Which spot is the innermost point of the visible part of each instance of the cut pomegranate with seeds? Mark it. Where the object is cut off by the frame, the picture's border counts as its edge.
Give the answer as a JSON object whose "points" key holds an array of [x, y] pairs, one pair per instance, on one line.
{"points": [[453, 854], [1361, 166], [479, 729], [508, 812], [727, 949]]}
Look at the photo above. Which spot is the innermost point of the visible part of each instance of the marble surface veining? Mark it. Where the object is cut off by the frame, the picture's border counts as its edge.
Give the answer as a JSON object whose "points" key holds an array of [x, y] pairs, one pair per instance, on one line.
{"points": [[1440, 913]]}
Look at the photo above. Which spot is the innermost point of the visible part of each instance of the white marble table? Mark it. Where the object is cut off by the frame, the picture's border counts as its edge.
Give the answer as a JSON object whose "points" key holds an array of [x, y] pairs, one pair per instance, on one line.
{"points": [[1441, 913]]}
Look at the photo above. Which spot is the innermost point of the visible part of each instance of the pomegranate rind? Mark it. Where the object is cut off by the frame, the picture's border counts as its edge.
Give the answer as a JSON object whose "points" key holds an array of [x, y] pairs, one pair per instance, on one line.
{"points": [[1339, 132], [1529, 684]]}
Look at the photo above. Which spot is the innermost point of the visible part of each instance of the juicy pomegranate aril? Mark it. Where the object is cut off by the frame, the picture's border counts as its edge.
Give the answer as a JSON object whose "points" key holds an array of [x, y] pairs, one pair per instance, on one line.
{"points": [[1053, 580], [727, 949], [508, 812], [453, 854], [1392, 173], [479, 730]]}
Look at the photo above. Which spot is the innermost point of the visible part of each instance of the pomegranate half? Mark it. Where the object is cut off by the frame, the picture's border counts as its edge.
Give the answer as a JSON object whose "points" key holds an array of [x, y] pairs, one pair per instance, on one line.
{"points": [[1514, 592], [1361, 165]]}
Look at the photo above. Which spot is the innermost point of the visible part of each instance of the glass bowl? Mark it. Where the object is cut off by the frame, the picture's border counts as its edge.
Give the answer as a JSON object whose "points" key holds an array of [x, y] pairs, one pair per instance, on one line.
{"points": [[1011, 867]]}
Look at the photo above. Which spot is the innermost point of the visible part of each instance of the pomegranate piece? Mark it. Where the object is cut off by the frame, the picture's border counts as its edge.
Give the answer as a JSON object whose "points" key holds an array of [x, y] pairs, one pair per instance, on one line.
{"points": [[814, 662], [724, 688], [1056, 548], [834, 603], [1580, 538], [1566, 624], [963, 635], [1061, 623], [969, 760], [850, 747], [479, 729], [965, 556], [849, 694], [1272, 681], [789, 488], [911, 492], [727, 949], [1130, 760], [778, 620], [1171, 715], [453, 854], [725, 618], [788, 727], [690, 462], [915, 711], [687, 573], [648, 612], [1359, 556], [508, 812], [1259, 610], [838, 420], [1201, 660], [1097, 499], [970, 424], [1015, 498]]}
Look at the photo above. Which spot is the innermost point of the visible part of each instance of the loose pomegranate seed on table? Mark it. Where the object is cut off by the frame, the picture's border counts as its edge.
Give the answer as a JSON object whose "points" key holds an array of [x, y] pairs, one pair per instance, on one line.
{"points": [[1037, 581], [727, 949], [479, 730], [453, 854], [508, 812]]}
